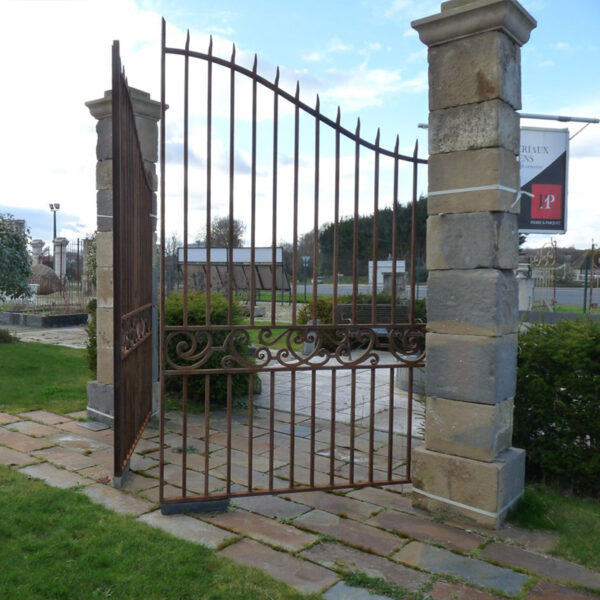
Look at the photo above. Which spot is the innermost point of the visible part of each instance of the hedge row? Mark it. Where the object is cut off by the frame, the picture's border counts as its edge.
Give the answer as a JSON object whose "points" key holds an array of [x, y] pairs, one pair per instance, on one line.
{"points": [[557, 406]]}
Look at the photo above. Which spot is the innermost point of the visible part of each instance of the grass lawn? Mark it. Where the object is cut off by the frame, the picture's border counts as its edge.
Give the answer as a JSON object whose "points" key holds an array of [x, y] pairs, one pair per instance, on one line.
{"points": [[42, 376], [57, 544], [576, 520]]}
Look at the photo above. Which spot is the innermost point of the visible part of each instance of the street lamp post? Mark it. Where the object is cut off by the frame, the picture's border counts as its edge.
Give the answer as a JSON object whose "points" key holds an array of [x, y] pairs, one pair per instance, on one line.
{"points": [[305, 260], [54, 208]]}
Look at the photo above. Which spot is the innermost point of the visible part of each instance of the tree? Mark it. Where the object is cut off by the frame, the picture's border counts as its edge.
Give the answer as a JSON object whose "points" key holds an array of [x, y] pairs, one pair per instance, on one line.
{"points": [[219, 233], [15, 268]]}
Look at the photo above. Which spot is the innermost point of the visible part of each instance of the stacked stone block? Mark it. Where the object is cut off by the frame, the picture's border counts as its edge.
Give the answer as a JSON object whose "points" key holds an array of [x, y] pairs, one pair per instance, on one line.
{"points": [[147, 115], [467, 466]]}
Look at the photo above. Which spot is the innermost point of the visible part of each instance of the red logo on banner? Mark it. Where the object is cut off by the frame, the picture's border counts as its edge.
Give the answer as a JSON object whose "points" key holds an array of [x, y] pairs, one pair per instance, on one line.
{"points": [[546, 202]]}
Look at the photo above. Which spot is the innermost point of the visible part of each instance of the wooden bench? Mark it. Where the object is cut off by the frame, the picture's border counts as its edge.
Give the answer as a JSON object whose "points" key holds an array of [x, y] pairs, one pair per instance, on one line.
{"points": [[383, 317]]}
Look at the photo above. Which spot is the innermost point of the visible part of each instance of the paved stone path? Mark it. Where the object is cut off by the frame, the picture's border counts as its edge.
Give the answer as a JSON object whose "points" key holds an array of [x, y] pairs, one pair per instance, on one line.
{"points": [[309, 539]]}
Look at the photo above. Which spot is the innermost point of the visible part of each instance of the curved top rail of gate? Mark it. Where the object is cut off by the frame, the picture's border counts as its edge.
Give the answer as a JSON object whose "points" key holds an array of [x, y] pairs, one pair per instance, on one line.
{"points": [[194, 344]]}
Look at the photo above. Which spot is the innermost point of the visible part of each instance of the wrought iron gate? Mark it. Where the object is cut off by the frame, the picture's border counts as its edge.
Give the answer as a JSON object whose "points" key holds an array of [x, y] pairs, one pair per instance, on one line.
{"points": [[327, 414], [132, 251]]}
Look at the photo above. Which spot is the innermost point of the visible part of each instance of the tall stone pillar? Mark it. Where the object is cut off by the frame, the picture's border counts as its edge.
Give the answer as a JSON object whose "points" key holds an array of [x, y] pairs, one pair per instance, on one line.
{"points": [[147, 114], [467, 467], [60, 257]]}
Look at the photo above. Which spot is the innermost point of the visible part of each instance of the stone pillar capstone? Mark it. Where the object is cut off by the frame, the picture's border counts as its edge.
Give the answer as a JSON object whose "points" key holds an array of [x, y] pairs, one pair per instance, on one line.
{"points": [[37, 249], [147, 114], [60, 257], [467, 467]]}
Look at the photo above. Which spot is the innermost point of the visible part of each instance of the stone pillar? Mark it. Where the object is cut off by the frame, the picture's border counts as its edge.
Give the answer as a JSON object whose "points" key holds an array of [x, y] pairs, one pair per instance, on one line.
{"points": [[37, 248], [60, 257], [467, 467], [147, 114]]}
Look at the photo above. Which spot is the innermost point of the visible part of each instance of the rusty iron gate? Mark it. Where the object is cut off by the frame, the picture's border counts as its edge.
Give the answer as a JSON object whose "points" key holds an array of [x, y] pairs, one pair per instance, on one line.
{"points": [[132, 251], [320, 408]]}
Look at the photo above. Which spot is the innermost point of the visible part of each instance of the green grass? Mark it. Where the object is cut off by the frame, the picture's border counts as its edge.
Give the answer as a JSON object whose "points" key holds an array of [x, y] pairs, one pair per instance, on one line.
{"points": [[568, 308], [576, 520], [57, 544], [42, 376]]}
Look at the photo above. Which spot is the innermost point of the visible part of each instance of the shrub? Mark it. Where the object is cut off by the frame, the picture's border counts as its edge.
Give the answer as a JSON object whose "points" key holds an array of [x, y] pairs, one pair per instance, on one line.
{"points": [[196, 303], [6, 337], [557, 416], [91, 350]]}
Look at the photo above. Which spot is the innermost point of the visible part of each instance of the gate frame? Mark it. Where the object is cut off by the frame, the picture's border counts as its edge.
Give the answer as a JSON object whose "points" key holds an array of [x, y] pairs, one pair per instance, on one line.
{"points": [[412, 333]]}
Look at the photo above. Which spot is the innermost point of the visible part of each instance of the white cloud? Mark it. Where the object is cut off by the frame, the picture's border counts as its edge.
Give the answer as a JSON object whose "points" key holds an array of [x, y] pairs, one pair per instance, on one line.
{"points": [[313, 56], [336, 45]]}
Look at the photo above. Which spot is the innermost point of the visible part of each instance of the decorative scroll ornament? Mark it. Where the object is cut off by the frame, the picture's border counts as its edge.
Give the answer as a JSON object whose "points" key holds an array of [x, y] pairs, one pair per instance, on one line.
{"points": [[135, 328], [304, 347]]}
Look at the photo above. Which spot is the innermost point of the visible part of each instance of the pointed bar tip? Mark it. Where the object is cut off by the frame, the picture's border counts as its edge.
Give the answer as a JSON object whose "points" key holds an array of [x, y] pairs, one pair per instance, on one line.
{"points": [[277, 76], [255, 63], [297, 89], [339, 115]]}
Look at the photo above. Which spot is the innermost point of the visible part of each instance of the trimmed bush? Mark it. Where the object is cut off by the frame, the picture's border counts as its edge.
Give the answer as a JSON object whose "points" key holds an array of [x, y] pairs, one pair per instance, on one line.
{"points": [[196, 306], [6, 337], [557, 406], [91, 350]]}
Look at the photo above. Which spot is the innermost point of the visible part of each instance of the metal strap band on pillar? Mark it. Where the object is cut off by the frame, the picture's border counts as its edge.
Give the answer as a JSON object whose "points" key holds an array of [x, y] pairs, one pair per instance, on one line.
{"points": [[479, 511]]}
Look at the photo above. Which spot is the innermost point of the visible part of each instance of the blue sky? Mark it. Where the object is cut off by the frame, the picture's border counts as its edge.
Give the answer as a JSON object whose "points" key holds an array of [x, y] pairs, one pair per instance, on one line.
{"points": [[362, 56]]}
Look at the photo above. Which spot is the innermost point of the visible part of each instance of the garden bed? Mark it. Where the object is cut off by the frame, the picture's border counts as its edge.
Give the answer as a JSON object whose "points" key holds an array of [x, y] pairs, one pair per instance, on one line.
{"points": [[42, 320]]}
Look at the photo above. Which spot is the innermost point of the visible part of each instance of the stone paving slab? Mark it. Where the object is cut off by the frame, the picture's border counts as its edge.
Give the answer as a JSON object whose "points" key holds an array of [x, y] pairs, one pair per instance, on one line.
{"points": [[383, 498], [120, 502], [13, 458], [298, 573], [548, 567], [77, 442], [55, 477], [274, 507], [32, 429], [187, 528], [64, 457], [443, 590], [351, 532], [22, 442], [424, 529], [342, 591], [533, 539], [336, 504], [444, 562], [264, 529], [152, 494], [45, 417], [77, 415], [6, 418], [343, 558], [545, 590], [94, 425]]}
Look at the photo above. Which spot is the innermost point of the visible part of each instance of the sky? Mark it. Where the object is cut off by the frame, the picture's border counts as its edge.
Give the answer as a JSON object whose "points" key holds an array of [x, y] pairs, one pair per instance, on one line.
{"points": [[362, 56]]}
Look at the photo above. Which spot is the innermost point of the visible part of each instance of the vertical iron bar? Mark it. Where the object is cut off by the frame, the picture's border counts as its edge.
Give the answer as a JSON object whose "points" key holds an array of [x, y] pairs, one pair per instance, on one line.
{"points": [[413, 236], [409, 423], [185, 178], [312, 426], [253, 198], [229, 392], [161, 334], [208, 270], [292, 426], [250, 427], [352, 422], [295, 233], [316, 217], [231, 178], [391, 427], [206, 431], [395, 232], [375, 232], [355, 232], [271, 428], [274, 211], [185, 252], [372, 424], [336, 218], [332, 431]]}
